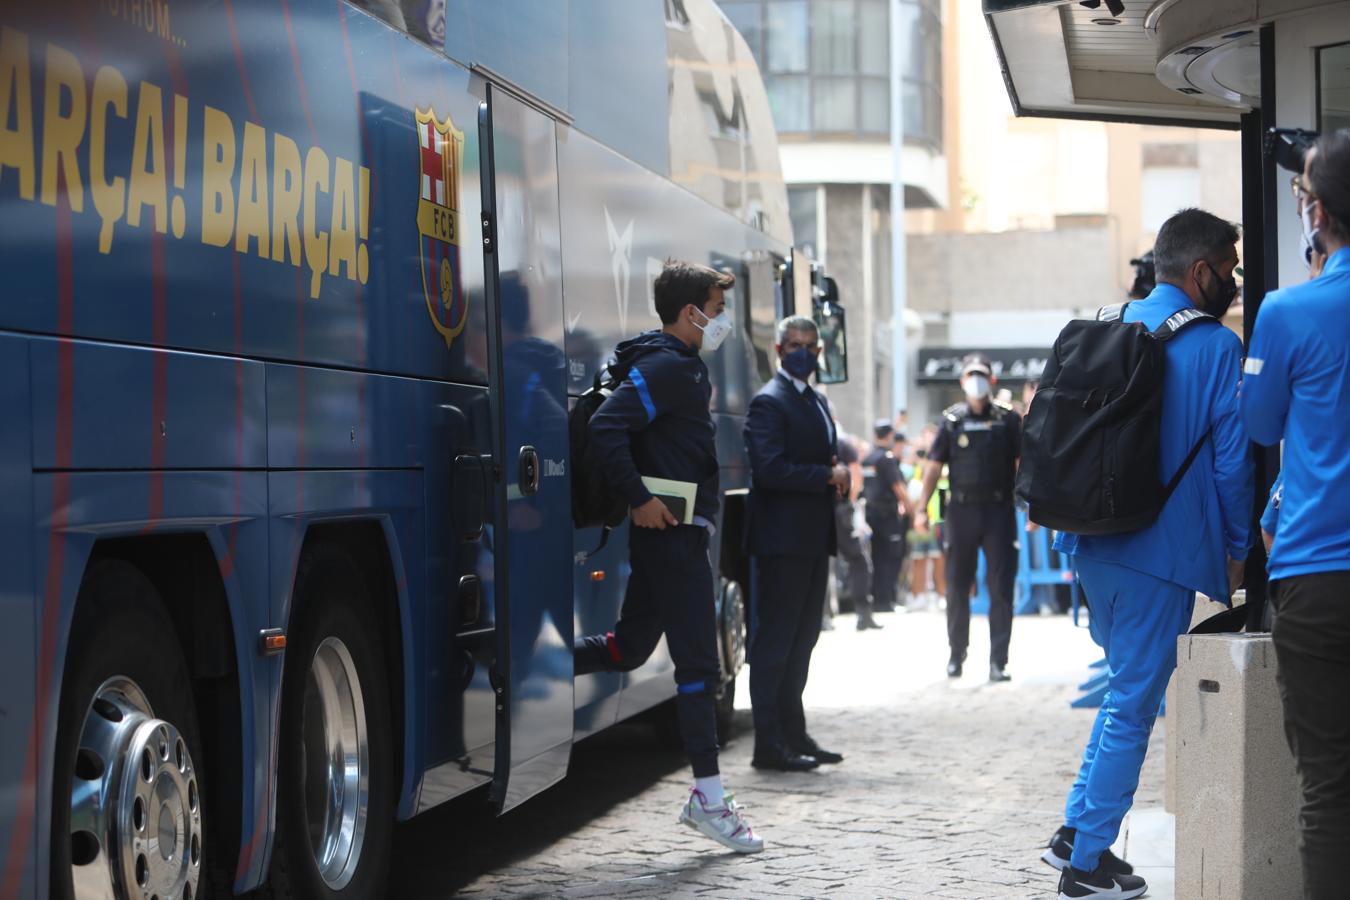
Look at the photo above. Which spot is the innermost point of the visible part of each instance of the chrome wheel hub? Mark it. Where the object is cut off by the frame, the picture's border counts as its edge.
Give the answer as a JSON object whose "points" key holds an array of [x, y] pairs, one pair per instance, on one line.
{"points": [[336, 760], [733, 626], [135, 807]]}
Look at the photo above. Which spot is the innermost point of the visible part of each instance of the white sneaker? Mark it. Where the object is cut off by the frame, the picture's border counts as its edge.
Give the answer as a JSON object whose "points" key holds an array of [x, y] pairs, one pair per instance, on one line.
{"points": [[725, 824]]}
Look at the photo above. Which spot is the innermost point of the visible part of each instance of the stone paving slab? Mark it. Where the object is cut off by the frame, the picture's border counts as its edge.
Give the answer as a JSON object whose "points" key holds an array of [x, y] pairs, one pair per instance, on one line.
{"points": [[949, 789]]}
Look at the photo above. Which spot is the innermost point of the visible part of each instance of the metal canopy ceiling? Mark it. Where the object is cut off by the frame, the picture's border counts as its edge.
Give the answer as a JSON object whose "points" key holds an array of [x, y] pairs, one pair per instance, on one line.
{"points": [[1063, 60]]}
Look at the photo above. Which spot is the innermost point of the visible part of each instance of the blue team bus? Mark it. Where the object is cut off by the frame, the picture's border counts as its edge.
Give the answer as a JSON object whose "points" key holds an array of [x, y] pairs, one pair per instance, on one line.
{"points": [[296, 294]]}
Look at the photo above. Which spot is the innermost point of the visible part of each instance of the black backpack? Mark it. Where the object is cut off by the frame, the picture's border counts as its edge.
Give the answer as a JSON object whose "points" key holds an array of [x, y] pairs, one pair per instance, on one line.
{"points": [[595, 501], [1090, 440]]}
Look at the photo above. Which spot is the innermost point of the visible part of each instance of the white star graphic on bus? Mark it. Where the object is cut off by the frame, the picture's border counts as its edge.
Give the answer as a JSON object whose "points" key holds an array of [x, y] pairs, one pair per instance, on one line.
{"points": [[620, 253]]}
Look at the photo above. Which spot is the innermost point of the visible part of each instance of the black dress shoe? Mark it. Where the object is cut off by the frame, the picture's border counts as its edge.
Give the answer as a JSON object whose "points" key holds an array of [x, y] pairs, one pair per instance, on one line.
{"points": [[869, 625], [781, 759], [808, 747], [998, 673], [954, 665]]}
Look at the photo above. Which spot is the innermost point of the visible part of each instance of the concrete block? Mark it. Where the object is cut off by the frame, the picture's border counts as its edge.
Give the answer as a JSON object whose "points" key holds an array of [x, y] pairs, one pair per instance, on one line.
{"points": [[1204, 608], [1236, 789], [1169, 724]]}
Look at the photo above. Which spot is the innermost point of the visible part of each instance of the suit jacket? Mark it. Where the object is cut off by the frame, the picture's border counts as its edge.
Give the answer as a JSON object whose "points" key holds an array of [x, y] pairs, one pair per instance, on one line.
{"points": [[791, 506]]}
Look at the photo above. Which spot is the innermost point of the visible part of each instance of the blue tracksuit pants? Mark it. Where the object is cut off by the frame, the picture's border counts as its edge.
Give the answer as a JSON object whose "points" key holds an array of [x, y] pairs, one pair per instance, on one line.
{"points": [[1136, 619]]}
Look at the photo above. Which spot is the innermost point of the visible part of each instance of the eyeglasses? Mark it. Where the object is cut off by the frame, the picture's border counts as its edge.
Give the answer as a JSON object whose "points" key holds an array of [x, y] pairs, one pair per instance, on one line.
{"points": [[1299, 189]]}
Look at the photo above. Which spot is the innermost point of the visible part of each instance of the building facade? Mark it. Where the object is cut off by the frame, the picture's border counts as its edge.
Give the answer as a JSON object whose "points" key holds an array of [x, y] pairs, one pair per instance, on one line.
{"points": [[1013, 225], [826, 66]]}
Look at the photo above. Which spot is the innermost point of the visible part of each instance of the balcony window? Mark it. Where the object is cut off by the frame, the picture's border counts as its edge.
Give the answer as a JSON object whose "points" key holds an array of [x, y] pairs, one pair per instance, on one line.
{"points": [[826, 64], [787, 44]]}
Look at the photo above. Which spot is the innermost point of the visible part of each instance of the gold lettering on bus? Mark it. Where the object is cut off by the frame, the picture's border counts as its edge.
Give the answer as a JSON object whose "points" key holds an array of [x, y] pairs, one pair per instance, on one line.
{"points": [[300, 208], [64, 110]]}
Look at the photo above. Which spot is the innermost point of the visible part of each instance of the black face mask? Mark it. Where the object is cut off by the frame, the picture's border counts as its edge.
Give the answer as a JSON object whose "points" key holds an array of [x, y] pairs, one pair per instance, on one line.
{"points": [[1217, 305]]}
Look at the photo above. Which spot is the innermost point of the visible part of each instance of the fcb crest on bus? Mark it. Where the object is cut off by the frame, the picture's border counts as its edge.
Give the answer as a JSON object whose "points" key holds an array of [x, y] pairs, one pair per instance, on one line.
{"points": [[441, 153]]}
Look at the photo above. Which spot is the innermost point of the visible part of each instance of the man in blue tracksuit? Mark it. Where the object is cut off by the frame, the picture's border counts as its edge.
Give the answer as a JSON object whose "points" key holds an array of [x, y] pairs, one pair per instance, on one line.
{"points": [[1297, 388], [1141, 585], [658, 424]]}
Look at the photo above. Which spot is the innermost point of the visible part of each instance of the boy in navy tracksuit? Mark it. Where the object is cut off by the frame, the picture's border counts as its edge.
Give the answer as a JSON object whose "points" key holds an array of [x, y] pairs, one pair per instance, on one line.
{"points": [[657, 423]]}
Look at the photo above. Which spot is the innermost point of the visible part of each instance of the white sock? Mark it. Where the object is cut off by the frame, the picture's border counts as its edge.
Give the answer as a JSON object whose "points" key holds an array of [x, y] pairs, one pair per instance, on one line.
{"points": [[711, 789]]}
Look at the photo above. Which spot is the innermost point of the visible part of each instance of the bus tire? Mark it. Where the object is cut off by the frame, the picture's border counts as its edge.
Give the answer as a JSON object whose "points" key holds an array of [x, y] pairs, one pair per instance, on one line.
{"points": [[127, 747], [333, 838]]}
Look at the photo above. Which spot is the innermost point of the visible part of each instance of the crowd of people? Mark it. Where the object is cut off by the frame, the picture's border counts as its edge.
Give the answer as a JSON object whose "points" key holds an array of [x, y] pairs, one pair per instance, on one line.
{"points": [[935, 502]]}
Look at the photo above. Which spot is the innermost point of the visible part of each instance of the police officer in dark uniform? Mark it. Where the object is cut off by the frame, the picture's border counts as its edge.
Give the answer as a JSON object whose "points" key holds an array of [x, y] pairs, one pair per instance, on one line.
{"points": [[887, 508], [980, 440]]}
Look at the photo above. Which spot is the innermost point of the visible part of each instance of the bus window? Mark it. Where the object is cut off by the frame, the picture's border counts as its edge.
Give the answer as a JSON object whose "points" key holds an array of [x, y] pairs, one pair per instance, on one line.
{"points": [[389, 10], [761, 309], [422, 19]]}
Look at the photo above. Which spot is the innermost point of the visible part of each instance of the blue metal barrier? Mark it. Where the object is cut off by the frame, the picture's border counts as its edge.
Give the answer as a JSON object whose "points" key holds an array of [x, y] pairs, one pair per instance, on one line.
{"points": [[1039, 570]]}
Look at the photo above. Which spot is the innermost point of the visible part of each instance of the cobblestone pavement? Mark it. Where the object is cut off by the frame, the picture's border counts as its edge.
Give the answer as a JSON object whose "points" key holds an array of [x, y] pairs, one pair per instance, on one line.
{"points": [[949, 789]]}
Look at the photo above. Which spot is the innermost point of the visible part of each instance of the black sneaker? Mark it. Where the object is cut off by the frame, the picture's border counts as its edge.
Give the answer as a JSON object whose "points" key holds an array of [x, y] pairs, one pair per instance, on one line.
{"points": [[1060, 849], [1099, 884]]}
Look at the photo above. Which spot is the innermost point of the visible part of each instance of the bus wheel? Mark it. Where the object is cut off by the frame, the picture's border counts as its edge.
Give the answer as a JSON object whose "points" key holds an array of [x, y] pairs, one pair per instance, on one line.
{"points": [[336, 783], [735, 640], [126, 810]]}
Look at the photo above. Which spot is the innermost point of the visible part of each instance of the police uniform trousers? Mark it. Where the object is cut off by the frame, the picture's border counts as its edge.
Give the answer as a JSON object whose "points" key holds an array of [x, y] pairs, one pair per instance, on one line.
{"points": [[970, 527], [888, 557], [670, 592], [1136, 619], [857, 577], [786, 596]]}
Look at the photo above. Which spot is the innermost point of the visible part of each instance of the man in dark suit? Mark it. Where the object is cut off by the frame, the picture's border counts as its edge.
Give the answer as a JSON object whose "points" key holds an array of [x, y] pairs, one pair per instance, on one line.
{"points": [[790, 532]]}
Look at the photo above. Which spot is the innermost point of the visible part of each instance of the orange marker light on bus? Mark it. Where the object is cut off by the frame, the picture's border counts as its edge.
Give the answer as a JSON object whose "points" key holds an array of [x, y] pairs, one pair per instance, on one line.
{"points": [[271, 641]]}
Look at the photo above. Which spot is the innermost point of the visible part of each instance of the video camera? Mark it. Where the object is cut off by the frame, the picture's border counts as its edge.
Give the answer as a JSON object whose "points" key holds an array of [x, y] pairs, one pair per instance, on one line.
{"points": [[1290, 146]]}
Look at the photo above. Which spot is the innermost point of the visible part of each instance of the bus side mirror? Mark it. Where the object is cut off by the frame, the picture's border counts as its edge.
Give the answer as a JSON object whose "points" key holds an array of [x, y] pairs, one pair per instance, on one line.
{"points": [[832, 364]]}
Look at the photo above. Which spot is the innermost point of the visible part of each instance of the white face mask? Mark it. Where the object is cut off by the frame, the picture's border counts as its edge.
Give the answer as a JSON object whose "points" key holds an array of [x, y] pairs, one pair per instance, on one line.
{"points": [[716, 331], [976, 387]]}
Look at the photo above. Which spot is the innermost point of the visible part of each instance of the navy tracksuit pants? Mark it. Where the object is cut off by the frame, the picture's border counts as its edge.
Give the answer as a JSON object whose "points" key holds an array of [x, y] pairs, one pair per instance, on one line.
{"points": [[670, 592]]}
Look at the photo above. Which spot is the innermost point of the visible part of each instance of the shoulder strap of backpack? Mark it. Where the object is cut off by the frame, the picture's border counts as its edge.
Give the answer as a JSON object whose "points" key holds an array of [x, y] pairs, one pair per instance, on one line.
{"points": [[1112, 313], [1181, 473], [609, 377], [1179, 320]]}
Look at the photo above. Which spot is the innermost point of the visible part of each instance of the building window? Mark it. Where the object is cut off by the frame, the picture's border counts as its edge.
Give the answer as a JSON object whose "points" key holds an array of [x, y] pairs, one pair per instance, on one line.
{"points": [[804, 211], [787, 44], [834, 104], [826, 64], [874, 38], [1164, 190], [1333, 87], [790, 101], [834, 32]]}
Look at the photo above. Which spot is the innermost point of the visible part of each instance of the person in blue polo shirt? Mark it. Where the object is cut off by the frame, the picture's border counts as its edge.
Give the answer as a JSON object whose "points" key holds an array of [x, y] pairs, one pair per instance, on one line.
{"points": [[1141, 585], [1297, 388]]}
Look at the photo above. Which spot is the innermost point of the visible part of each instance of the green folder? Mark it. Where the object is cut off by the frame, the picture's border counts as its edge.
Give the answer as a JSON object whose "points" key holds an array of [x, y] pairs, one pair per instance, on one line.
{"points": [[678, 496]]}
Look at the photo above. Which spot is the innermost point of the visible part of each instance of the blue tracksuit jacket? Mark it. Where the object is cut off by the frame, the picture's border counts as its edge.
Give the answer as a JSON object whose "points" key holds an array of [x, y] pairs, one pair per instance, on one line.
{"points": [[1297, 388], [1207, 519]]}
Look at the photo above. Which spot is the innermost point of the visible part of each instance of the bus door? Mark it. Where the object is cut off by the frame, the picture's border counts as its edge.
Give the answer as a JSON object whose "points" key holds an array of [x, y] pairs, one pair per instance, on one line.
{"points": [[532, 676]]}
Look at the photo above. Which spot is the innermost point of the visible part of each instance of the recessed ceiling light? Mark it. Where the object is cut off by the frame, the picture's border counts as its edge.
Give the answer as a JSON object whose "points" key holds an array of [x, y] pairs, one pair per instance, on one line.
{"points": [[1105, 21]]}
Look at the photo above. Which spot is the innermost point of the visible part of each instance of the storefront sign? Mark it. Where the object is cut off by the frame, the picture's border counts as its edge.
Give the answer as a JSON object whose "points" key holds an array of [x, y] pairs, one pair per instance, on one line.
{"points": [[940, 364]]}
